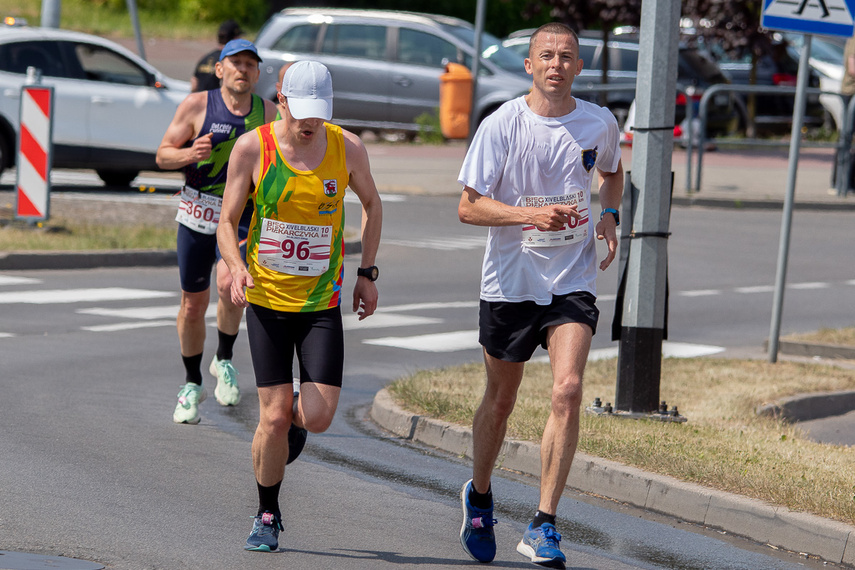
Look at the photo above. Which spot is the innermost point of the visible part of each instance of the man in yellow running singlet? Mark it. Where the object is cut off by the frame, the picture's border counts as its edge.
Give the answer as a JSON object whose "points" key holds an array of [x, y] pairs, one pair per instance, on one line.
{"points": [[294, 172]]}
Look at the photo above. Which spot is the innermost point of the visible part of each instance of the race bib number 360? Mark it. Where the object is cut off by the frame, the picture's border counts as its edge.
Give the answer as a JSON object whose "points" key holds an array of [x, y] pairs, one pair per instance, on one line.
{"points": [[199, 212], [295, 249], [574, 231]]}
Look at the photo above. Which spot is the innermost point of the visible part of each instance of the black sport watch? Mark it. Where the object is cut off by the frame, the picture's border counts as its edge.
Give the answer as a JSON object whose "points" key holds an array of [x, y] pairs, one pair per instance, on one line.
{"points": [[371, 273], [614, 213]]}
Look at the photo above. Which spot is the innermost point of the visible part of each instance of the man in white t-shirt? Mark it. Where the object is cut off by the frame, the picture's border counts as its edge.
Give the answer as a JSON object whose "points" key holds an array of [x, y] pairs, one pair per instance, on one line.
{"points": [[527, 175]]}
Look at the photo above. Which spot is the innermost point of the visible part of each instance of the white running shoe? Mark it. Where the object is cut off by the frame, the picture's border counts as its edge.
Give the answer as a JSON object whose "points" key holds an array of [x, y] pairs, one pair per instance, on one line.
{"points": [[187, 408], [227, 392]]}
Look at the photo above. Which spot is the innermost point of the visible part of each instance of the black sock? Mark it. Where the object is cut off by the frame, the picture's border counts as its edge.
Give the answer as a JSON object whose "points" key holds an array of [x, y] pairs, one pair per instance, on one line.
{"points": [[268, 499], [193, 368], [540, 518], [225, 348], [483, 501]]}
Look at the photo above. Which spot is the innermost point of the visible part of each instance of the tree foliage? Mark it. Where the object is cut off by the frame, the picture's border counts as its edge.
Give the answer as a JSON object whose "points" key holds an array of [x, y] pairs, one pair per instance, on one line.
{"points": [[734, 25]]}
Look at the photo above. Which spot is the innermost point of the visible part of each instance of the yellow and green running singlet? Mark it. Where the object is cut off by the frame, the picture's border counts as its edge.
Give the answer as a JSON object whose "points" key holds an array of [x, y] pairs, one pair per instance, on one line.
{"points": [[297, 198]]}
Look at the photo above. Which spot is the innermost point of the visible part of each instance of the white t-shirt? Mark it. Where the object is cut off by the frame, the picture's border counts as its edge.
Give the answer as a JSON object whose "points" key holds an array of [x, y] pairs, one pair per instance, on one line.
{"points": [[517, 153]]}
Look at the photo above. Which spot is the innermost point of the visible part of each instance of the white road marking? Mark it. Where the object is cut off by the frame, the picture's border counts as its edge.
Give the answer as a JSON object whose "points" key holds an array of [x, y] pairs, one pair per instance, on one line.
{"points": [[428, 306], [128, 326], [451, 243], [700, 293], [385, 320], [80, 295], [6, 335], [439, 342], [15, 280], [756, 289], [669, 350], [814, 285]]}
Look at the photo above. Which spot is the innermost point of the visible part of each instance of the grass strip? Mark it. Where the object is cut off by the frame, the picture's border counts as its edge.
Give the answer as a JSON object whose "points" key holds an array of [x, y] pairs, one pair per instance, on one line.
{"points": [[724, 445], [59, 234]]}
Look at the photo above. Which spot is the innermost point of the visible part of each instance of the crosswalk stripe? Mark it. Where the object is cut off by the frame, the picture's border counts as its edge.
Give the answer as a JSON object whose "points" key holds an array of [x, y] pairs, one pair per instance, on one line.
{"points": [[15, 280], [47, 297], [128, 326], [439, 342]]}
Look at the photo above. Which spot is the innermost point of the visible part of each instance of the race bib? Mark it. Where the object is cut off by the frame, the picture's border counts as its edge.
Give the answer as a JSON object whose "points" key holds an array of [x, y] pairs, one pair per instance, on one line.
{"points": [[295, 249], [574, 231], [198, 211]]}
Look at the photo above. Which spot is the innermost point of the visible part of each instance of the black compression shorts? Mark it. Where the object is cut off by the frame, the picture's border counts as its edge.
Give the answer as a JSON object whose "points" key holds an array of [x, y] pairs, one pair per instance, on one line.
{"points": [[197, 254], [318, 338], [512, 331]]}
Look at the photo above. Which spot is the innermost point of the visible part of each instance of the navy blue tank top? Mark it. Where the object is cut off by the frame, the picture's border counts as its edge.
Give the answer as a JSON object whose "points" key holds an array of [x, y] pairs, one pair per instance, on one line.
{"points": [[210, 175]]}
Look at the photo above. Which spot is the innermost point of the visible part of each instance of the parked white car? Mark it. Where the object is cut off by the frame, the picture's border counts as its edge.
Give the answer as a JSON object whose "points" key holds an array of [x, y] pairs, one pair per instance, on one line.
{"points": [[111, 108]]}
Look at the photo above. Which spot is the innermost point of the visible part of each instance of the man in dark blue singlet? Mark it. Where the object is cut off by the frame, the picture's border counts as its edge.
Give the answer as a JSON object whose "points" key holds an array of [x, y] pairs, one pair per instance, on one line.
{"points": [[198, 141]]}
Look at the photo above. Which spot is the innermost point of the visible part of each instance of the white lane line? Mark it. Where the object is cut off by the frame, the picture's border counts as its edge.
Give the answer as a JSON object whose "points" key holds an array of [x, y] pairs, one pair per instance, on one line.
{"points": [[450, 243], [6, 335], [351, 198], [700, 293], [669, 350], [440, 342], [385, 320], [756, 289], [814, 285], [15, 280], [80, 295], [128, 326], [851, 282], [144, 313], [427, 306]]}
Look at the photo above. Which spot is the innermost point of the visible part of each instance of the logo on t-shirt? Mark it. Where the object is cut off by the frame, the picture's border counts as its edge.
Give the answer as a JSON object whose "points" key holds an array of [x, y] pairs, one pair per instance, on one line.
{"points": [[589, 159], [330, 187]]}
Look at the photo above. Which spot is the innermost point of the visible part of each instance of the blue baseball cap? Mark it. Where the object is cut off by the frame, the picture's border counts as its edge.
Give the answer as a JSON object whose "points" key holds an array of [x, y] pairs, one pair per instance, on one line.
{"points": [[238, 45]]}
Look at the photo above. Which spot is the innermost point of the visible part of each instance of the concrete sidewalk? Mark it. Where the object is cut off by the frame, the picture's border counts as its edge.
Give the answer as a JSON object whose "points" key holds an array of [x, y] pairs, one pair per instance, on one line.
{"points": [[735, 514]]}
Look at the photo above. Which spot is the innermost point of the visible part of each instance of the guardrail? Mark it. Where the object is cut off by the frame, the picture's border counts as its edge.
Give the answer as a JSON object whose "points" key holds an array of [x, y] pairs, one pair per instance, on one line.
{"points": [[843, 160]]}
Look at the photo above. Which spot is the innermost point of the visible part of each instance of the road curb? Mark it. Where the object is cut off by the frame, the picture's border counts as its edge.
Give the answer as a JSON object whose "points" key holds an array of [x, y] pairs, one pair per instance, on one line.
{"points": [[753, 519]]}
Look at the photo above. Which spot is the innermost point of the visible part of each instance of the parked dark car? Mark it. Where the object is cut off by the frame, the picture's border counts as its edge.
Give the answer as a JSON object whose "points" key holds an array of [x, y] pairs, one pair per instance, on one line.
{"points": [[696, 72], [774, 112]]}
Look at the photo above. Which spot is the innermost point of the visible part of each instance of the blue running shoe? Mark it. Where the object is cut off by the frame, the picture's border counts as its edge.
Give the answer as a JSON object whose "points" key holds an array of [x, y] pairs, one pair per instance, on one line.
{"points": [[476, 534], [541, 546], [265, 533]]}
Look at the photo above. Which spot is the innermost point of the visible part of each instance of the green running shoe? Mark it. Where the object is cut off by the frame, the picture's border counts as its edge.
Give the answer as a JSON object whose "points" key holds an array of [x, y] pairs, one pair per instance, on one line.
{"points": [[227, 392], [187, 408]]}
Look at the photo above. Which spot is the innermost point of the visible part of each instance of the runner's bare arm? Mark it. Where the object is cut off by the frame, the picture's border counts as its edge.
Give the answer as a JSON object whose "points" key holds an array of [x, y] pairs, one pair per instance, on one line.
{"points": [[171, 154], [362, 183], [480, 210], [611, 190], [243, 163]]}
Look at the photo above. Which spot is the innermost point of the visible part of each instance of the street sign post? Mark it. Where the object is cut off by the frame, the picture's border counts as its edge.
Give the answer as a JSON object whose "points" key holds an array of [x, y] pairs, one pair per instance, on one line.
{"points": [[822, 17], [818, 17]]}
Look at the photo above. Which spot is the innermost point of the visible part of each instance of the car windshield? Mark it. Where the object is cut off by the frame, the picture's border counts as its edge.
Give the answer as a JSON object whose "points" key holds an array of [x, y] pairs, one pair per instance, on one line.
{"points": [[491, 48]]}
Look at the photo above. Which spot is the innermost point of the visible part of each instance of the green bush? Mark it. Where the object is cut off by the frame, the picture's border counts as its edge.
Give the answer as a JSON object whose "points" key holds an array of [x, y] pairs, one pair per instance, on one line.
{"points": [[430, 131]]}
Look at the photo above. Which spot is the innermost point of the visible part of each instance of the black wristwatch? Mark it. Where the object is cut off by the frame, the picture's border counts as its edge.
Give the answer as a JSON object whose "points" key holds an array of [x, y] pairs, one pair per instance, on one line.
{"points": [[614, 213], [371, 273]]}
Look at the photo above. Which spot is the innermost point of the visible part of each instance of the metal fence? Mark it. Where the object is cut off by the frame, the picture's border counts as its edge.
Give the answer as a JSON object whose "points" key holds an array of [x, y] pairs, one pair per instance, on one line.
{"points": [[843, 161]]}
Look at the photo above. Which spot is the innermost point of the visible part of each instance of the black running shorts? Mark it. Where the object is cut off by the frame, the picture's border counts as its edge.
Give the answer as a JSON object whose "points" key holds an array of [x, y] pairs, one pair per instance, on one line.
{"points": [[197, 254], [318, 338], [512, 331]]}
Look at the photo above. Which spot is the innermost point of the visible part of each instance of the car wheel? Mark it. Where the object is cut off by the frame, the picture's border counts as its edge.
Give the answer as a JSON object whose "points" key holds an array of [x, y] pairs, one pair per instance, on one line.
{"points": [[5, 153], [118, 178]]}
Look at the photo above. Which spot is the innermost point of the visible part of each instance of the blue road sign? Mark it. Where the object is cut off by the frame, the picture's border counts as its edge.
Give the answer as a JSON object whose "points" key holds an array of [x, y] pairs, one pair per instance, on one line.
{"points": [[819, 17]]}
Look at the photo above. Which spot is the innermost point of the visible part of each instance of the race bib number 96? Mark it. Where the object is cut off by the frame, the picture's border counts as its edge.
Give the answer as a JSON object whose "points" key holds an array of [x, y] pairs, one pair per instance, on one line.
{"points": [[574, 231], [295, 249], [198, 211]]}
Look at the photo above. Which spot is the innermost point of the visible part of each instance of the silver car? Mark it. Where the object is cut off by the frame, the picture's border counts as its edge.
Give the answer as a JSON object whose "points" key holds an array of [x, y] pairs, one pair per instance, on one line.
{"points": [[111, 108], [386, 65]]}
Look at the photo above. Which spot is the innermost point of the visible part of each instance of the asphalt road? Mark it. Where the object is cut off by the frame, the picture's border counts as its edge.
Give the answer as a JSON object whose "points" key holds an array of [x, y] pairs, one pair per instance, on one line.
{"points": [[95, 469]]}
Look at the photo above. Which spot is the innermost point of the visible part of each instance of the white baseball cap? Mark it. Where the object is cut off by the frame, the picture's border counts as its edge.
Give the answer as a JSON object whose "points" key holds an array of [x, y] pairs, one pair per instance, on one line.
{"points": [[308, 87]]}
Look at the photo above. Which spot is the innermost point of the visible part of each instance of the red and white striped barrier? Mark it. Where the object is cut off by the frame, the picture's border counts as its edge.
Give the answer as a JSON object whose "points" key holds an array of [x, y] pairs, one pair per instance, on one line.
{"points": [[34, 153]]}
